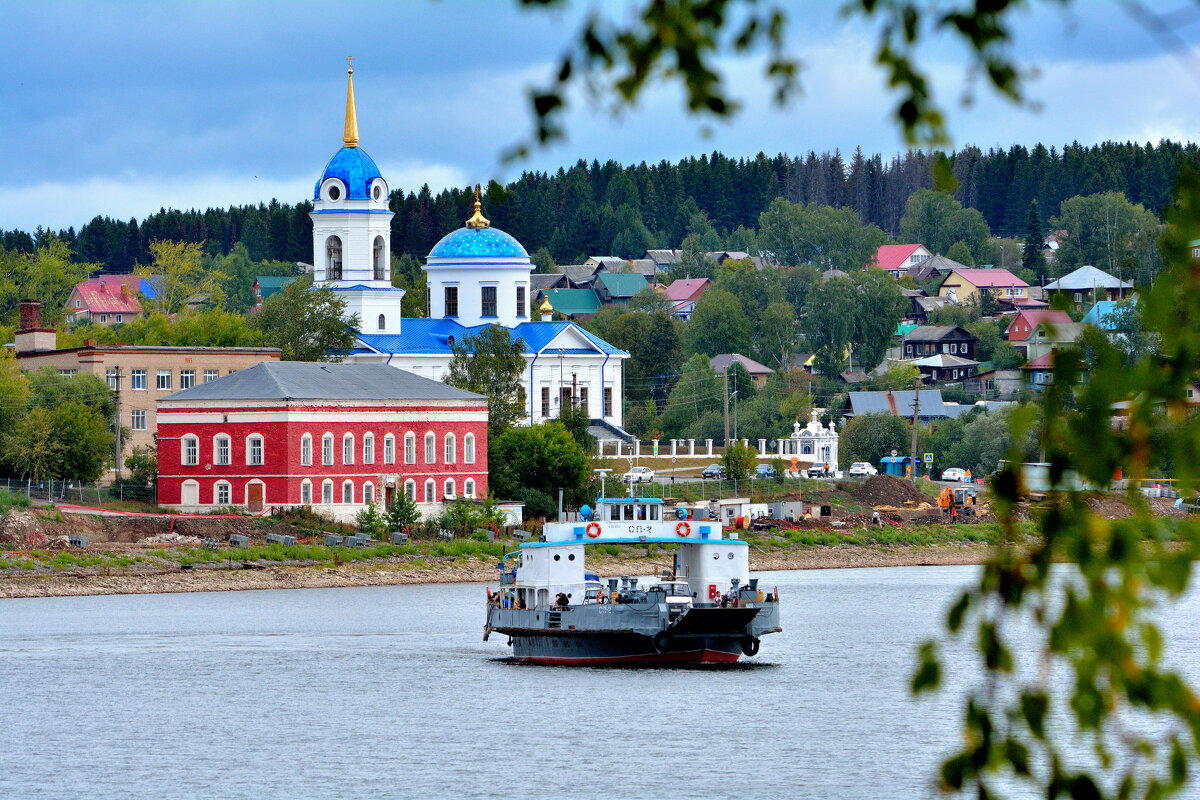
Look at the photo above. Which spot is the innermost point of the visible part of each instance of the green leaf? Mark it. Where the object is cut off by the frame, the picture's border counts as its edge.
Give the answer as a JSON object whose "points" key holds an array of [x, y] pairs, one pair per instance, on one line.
{"points": [[1033, 709]]}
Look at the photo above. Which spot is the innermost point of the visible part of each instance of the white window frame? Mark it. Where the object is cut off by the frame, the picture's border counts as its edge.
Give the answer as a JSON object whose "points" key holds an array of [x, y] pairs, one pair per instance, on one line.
{"points": [[348, 486], [410, 448], [189, 451], [306, 450], [327, 449], [430, 448], [469, 448], [162, 380], [368, 448], [410, 489], [448, 489], [262, 450], [450, 452], [218, 440], [389, 449], [368, 493], [348, 448], [134, 376], [217, 487], [327, 492], [136, 416], [211, 375], [306, 492], [430, 491], [184, 374], [469, 488]]}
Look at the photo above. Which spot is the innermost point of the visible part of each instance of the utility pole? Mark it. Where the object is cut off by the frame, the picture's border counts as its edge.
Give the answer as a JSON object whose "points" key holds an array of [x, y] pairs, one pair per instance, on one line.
{"points": [[916, 407], [119, 461], [726, 376], [574, 389]]}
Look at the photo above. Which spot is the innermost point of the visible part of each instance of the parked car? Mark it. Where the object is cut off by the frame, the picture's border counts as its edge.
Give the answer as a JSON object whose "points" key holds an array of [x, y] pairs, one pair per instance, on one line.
{"points": [[713, 472], [764, 471], [639, 475], [862, 468], [954, 474]]}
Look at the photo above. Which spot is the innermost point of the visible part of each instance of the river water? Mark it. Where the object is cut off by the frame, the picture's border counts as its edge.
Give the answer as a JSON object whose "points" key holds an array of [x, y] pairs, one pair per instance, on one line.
{"points": [[389, 692]]}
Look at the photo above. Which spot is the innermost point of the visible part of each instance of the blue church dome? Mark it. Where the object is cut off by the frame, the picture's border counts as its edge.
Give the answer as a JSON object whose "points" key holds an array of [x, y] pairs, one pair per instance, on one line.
{"points": [[476, 243], [353, 167]]}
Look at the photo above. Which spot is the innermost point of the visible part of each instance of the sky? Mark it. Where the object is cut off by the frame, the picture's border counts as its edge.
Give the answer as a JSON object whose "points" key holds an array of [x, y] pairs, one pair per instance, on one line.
{"points": [[119, 109]]}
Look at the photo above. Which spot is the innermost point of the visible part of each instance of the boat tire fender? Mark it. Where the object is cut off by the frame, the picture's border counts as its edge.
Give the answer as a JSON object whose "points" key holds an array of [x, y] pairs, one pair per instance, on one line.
{"points": [[661, 641], [750, 645]]}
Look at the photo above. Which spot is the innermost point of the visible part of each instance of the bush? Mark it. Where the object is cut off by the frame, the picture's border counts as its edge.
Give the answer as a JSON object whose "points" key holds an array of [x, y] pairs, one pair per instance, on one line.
{"points": [[739, 461], [370, 521]]}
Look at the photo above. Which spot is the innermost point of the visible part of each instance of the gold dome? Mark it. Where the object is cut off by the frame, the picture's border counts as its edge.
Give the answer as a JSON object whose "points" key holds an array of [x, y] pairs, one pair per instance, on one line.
{"points": [[478, 220], [546, 308]]}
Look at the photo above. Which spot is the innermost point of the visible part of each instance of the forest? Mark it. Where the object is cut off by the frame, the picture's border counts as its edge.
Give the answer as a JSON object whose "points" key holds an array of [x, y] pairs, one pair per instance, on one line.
{"points": [[610, 209]]}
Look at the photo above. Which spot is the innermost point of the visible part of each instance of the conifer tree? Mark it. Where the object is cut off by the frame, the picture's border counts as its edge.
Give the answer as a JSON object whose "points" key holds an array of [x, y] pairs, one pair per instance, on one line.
{"points": [[1031, 253]]}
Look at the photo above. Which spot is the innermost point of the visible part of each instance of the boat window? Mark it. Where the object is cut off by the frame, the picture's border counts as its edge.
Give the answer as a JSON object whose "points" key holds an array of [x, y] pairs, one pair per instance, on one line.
{"points": [[628, 510], [614, 512], [654, 512]]}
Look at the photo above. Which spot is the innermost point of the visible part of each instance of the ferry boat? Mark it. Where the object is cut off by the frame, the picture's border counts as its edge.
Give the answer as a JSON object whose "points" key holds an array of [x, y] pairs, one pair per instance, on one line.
{"points": [[705, 609]]}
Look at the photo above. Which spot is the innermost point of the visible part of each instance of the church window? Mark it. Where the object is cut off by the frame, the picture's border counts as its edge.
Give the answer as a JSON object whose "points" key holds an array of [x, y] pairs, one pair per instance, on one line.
{"points": [[333, 257], [382, 323], [377, 192], [378, 258], [565, 400], [520, 301], [488, 303], [335, 192], [545, 401], [583, 398], [451, 301], [608, 401]]}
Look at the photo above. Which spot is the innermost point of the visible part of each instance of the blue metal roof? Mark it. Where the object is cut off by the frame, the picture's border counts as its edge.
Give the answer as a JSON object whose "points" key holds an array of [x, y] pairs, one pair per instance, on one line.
{"points": [[429, 336], [353, 167], [478, 243]]}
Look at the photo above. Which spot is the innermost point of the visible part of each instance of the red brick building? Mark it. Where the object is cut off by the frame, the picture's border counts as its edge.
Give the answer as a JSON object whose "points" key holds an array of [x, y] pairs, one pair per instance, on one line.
{"points": [[329, 436]]}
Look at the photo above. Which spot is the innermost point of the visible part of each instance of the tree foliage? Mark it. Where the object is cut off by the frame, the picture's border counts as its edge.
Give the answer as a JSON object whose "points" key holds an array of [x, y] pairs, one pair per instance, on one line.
{"points": [[1108, 231], [829, 322], [739, 461], [718, 325], [306, 323], [870, 437], [179, 277], [491, 362], [532, 463]]}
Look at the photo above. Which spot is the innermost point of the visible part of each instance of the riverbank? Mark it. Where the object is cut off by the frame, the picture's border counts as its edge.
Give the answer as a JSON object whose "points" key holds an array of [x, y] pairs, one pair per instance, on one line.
{"points": [[221, 578]]}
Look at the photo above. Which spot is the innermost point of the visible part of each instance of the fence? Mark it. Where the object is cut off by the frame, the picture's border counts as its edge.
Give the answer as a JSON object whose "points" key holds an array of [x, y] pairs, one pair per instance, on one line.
{"points": [[56, 491]]}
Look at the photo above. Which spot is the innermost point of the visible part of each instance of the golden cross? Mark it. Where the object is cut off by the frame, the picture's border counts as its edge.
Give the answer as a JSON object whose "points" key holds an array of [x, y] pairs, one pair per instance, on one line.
{"points": [[350, 61]]}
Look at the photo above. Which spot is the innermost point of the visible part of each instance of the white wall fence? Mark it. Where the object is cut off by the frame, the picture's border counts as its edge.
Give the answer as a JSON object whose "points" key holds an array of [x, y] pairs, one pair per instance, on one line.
{"points": [[686, 448]]}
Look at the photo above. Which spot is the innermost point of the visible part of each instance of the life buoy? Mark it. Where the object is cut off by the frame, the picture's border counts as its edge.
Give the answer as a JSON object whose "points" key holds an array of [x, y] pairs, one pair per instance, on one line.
{"points": [[683, 529], [661, 641], [593, 529], [750, 645]]}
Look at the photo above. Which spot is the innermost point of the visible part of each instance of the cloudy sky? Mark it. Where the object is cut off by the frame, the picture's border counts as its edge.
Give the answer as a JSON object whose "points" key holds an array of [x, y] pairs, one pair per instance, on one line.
{"points": [[122, 108]]}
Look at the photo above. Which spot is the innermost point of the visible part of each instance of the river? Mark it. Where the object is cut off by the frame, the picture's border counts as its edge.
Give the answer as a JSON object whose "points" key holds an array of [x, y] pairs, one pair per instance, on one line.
{"points": [[386, 692]]}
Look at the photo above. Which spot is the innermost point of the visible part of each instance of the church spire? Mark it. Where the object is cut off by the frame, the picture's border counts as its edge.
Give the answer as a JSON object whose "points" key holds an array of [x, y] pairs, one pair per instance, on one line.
{"points": [[478, 220], [350, 134]]}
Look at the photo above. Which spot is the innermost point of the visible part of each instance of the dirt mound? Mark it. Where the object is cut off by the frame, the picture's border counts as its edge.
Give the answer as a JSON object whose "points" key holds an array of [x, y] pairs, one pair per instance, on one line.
{"points": [[888, 490], [16, 527]]}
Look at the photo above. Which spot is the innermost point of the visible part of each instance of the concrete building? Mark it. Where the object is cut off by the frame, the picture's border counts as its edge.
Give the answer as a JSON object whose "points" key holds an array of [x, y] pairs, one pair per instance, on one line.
{"points": [[330, 436], [143, 373]]}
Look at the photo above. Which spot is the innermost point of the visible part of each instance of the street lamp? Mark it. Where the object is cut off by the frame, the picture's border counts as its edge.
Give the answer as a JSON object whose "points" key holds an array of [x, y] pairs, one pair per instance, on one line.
{"points": [[602, 473]]}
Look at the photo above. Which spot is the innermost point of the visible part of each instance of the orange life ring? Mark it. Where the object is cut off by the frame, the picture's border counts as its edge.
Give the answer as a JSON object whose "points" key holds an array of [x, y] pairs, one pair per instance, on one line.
{"points": [[593, 529], [683, 529]]}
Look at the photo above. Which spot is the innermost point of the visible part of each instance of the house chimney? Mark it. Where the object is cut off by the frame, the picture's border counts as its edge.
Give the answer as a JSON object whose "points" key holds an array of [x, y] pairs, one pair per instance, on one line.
{"points": [[31, 337]]}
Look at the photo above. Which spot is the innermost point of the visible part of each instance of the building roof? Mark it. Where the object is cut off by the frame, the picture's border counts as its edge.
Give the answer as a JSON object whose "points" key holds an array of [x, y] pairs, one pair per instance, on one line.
{"points": [[1087, 277], [270, 284], [478, 243], [928, 304], [943, 361], [1034, 317], [893, 256], [622, 284], [664, 256], [111, 294], [539, 282], [1097, 314], [573, 301], [1063, 331], [307, 380], [434, 336], [927, 333], [578, 274], [988, 278], [354, 168], [934, 265], [645, 267], [721, 362], [901, 404], [1044, 361], [687, 288]]}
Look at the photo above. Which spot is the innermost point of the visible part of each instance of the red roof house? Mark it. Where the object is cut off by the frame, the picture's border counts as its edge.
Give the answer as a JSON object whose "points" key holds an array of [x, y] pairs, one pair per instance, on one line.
{"points": [[684, 293], [106, 299], [1029, 318], [898, 258]]}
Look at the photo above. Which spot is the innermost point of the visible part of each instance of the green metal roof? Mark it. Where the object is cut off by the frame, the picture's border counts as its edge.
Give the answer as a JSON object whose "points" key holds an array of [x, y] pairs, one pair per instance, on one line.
{"points": [[574, 301], [270, 284], [622, 284], [903, 328]]}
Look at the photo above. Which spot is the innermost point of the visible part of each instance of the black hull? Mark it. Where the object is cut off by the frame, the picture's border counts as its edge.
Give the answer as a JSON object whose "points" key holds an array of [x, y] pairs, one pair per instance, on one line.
{"points": [[623, 649]]}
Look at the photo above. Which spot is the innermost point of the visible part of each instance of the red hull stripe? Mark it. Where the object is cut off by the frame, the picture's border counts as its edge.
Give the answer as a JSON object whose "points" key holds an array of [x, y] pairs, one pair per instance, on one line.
{"points": [[689, 657]]}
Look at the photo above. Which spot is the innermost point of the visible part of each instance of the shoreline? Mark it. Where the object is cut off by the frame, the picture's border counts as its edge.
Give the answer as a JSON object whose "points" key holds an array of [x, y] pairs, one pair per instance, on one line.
{"points": [[454, 570]]}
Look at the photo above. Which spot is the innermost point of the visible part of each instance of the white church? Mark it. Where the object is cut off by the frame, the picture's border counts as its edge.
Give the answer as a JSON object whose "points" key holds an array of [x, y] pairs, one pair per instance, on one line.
{"points": [[477, 275]]}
